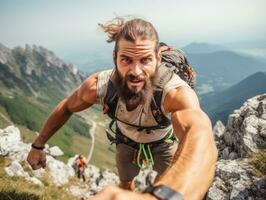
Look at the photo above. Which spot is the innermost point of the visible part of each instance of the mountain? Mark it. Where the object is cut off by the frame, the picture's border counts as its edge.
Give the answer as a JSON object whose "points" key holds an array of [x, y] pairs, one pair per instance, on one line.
{"points": [[221, 69], [202, 48], [32, 81], [36, 71], [219, 105], [249, 44]]}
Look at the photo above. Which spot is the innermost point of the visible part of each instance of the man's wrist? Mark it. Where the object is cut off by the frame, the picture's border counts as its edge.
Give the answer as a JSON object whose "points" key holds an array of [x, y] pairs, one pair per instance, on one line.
{"points": [[148, 196], [37, 147]]}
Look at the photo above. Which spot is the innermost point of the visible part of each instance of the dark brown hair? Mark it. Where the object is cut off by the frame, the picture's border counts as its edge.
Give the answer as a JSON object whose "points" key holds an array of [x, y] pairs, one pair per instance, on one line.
{"points": [[130, 30]]}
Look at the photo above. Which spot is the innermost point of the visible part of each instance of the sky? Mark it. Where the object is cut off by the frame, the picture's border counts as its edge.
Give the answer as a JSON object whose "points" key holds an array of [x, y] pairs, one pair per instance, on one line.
{"points": [[66, 24]]}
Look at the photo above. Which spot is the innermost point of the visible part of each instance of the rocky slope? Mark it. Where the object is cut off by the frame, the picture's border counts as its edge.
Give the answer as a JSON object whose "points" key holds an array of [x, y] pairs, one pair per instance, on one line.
{"points": [[244, 135], [235, 177], [12, 148]]}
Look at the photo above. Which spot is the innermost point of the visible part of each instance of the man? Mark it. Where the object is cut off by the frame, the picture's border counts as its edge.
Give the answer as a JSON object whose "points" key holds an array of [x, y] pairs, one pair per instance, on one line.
{"points": [[187, 171], [80, 165]]}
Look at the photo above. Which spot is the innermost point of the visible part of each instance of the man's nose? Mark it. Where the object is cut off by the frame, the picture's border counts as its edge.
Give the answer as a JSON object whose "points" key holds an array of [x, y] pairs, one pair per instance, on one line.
{"points": [[136, 69]]}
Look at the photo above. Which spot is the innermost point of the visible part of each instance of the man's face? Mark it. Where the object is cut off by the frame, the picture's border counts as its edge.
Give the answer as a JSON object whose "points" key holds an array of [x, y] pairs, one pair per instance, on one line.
{"points": [[136, 63]]}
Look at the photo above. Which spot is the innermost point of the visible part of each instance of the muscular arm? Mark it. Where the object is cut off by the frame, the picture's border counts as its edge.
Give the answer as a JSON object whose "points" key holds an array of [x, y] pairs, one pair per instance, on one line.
{"points": [[193, 169], [83, 97]]}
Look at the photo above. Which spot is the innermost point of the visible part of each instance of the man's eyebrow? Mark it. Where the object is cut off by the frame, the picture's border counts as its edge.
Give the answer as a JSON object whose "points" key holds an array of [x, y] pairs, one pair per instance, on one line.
{"points": [[125, 56], [146, 56]]}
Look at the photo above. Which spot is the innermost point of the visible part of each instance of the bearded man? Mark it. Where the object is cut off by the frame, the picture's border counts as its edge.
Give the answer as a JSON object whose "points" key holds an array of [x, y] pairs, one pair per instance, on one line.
{"points": [[127, 93]]}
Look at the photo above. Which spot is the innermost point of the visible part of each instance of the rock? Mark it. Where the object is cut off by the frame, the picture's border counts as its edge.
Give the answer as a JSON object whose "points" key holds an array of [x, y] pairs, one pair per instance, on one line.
{"points": [[55, 151], [232, 155], [244, 134], [35, 181], [92, 173], [19, 152], [9, 137], [15, 169], [59, 172], [225, 153], [144, 179], [218, 129], [38, 173], [262, 128], [239, 192], [216, 194], [79, 192], [245, 130]]}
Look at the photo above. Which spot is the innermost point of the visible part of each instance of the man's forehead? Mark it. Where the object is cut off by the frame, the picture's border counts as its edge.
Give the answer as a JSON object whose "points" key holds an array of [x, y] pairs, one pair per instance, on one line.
{"points": [[137, 48]]}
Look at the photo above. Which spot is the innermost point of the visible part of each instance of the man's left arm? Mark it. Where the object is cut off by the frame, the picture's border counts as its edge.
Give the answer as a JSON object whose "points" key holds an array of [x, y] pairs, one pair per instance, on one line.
{"points": [[192, 171]]}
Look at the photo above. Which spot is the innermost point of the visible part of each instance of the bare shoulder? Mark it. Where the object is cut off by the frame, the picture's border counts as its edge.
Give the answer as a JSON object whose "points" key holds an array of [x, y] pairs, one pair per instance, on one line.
{"points": [[185, 110], [181, 98], [87, 90]]}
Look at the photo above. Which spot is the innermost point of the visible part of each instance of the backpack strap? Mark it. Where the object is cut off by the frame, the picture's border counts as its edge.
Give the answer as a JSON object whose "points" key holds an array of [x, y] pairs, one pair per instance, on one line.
{"points": [[157, 111], [110, 100]]}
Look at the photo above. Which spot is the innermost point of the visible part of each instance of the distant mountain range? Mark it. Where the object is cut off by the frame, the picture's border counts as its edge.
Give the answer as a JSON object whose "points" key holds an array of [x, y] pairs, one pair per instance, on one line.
{"points": [[222, 69], [219, 105], [216, 65], [195, 48]]}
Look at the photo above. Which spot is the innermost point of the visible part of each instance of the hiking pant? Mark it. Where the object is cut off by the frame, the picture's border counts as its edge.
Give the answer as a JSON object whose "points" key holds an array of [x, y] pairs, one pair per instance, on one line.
{"points": [[81, 173], [162, 153]]}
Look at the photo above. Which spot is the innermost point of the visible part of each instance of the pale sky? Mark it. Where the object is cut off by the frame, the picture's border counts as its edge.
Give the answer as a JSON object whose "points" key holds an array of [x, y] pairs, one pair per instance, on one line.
{"points": [[56, 23]]}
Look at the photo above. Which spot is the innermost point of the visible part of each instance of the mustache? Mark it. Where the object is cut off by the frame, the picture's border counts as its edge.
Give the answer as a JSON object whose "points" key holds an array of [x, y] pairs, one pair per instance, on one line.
{"points": [[132, 77]]}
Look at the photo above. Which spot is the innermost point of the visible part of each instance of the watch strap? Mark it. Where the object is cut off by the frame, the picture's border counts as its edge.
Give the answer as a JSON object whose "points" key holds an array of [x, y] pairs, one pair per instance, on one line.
{"points": [[163, 192]]}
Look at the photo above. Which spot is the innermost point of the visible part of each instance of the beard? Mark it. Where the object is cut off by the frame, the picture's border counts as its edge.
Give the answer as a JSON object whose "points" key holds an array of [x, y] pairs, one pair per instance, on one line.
{"points": [[132, 97]]}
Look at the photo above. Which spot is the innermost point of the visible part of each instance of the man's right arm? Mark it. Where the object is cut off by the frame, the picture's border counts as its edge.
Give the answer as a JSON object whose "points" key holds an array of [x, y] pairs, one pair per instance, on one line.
{"points": [[83, 97]]}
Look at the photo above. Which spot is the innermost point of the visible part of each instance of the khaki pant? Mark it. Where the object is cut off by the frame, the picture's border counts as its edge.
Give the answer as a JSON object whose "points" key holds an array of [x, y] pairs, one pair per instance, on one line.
{"points": [[162, 154]]}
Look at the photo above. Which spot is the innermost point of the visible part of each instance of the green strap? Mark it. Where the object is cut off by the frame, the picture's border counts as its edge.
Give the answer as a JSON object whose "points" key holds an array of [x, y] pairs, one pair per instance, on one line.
{"points": [[147, 155], [151, 158], [168, 140]]}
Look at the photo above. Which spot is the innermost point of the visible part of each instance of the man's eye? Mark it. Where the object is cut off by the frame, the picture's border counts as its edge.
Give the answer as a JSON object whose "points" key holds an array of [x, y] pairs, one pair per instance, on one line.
{"points": [[146, 60], [126, 60]]}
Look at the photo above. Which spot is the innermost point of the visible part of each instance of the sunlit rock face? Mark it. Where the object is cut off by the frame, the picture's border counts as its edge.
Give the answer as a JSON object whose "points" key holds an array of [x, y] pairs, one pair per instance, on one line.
{"points": [[243, 135]]}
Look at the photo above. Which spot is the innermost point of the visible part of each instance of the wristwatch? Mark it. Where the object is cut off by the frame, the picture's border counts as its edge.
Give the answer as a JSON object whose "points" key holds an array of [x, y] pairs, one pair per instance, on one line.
{"points": [[162, 192]]}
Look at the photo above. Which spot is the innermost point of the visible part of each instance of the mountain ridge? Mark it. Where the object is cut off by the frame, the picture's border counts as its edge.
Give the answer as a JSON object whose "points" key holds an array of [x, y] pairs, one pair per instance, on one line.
{"points": [[219, 105]]}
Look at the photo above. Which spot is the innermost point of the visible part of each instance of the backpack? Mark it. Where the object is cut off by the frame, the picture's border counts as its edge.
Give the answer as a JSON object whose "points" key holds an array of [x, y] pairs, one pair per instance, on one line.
{"points": [[176, 60], [173, 61]]}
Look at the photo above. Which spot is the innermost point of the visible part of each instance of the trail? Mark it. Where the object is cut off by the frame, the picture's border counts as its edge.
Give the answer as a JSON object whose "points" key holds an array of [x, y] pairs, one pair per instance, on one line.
{"points": [[92, 134], [6, 119]]}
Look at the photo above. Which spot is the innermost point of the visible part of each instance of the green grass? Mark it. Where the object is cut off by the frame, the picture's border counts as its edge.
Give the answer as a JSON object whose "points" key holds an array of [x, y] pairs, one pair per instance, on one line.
{"points": [[29, 114], [25, 112], [16, 188], [258, 160]]}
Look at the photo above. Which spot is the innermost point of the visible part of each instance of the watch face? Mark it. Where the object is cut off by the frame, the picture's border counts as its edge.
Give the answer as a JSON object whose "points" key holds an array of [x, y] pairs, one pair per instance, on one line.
{"points": [[165, 193]]}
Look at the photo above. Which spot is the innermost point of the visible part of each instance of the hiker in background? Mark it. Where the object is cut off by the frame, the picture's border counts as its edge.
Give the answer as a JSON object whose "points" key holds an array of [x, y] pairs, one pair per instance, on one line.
{"points": [[149, 97], [79, 166]]}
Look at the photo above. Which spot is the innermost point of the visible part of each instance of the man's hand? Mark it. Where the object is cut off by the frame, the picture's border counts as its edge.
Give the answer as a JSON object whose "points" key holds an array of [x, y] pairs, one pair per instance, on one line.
{"points": [[115, 193], [37, 159]]}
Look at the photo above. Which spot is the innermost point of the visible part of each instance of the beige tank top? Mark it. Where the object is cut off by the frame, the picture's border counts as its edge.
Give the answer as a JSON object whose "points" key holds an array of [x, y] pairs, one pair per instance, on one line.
{"points": [[138, 116]]}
